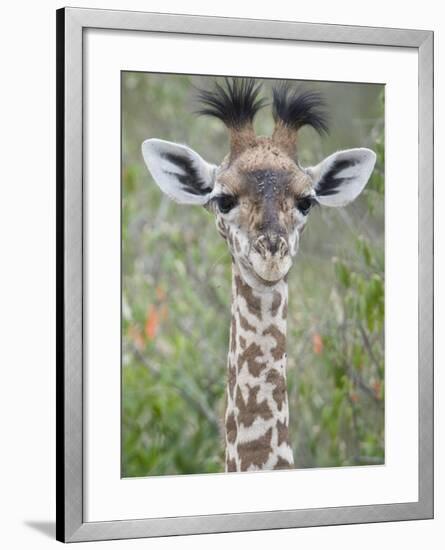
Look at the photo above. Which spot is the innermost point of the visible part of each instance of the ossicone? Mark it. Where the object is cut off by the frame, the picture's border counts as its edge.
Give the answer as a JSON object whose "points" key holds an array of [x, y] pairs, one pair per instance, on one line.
{"points": [[235, 102], [292, 109]]}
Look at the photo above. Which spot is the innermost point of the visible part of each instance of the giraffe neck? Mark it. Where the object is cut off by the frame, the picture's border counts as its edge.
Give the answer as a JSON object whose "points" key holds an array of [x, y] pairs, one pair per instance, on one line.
{"points": [[257, 414]]}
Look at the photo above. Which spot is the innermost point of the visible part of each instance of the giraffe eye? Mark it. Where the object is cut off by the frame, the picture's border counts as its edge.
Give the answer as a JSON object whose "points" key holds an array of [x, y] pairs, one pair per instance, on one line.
{"points": [[304, 205], [226, 203]]}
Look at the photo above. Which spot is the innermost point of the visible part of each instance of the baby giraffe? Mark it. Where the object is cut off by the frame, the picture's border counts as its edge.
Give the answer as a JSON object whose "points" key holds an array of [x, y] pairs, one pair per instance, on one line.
{"points": [[261, 198]]}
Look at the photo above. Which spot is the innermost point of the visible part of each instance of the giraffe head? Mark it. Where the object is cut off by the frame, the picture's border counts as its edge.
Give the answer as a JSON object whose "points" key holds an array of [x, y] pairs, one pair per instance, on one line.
{"points": [[260, 195]]}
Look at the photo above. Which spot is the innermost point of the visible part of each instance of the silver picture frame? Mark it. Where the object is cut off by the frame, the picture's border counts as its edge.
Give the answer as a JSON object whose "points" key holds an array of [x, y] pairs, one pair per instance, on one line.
{"points": [[70, 521]]}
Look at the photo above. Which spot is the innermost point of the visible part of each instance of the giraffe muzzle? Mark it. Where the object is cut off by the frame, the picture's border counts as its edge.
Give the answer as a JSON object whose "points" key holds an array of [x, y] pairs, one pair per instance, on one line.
{"points": [[270, 257], [271, 246]]}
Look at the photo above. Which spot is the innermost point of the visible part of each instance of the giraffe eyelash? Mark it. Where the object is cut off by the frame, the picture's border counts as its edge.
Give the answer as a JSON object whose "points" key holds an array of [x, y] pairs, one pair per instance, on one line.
{"points": [[226, 203], [304, 204]]}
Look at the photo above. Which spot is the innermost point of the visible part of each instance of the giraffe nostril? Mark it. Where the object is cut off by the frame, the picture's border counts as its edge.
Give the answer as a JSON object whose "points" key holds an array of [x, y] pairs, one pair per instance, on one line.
{"points": [[284, 247], [260, 246]]}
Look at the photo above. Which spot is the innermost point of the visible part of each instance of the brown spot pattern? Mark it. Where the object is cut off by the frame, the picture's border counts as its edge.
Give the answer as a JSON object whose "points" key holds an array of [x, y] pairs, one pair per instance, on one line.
{"points": [[284, 311], [231, 465], [250, 355], [233, 335], [242, 342], [253, 302], [244, 323], [231, 379], [276, 302], [282, 464], [279, 392], [255, 453], [252, 409], [279, 350], [283, 433], [231, 430]]}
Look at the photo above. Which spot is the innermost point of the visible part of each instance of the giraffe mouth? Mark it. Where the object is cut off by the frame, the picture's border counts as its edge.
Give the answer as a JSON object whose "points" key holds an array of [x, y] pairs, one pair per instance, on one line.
{"points": [[264, 272], [268, 282], [271, 277]]}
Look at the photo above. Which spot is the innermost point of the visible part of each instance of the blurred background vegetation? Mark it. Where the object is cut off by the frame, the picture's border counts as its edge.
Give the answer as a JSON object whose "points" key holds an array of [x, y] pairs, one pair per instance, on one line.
{"points": [[176, 294]]}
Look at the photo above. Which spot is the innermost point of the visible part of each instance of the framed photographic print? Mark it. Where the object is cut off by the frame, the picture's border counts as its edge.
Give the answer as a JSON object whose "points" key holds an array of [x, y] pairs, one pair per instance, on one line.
{"points": [[245, 282]]}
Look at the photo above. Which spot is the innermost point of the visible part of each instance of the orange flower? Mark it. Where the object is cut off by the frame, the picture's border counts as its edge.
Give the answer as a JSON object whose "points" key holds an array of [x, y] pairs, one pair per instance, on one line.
{"points": [[317, 343], [152, 322], [377, 387]]}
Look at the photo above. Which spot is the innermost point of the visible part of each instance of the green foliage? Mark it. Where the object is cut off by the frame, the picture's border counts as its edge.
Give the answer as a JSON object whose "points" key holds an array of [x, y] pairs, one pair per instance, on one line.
{"points": [[176, 297]]}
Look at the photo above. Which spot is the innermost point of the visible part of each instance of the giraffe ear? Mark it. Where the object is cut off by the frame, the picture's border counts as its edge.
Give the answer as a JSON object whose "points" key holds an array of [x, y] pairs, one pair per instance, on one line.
{"points": [[179, 171], [341, 177]]}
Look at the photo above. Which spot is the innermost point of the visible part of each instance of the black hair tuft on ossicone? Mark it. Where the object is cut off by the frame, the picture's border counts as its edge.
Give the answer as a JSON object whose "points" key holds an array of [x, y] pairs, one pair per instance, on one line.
{"points": [[235, 103], [296, 108]]}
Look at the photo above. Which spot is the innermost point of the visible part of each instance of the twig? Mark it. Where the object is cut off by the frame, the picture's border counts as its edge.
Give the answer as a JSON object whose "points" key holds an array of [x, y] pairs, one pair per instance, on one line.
{"points": [[368, 346], [358, 380]]}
